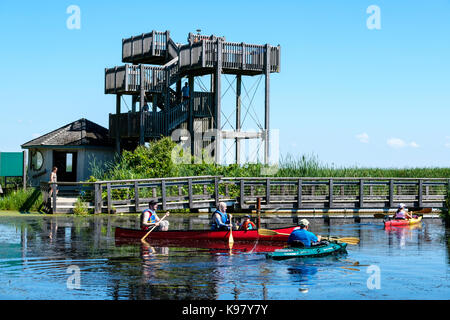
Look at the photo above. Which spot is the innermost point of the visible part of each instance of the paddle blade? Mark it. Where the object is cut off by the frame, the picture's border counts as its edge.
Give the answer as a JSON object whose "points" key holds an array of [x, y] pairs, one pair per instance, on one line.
{"points": [[379, 215], [267, 232]]}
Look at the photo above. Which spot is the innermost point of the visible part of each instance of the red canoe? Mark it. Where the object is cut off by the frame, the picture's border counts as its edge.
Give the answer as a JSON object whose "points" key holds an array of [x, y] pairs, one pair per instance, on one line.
{"points": [[250, 235]]}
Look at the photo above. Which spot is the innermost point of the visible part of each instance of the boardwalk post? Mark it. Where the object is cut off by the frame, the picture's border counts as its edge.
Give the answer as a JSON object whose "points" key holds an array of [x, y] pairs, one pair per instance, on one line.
{"points": [[242, 193], [238, 117], [136, 197], [267, 191], [217, 101], [330, 195], [54, 198], [420, 191], [216, 191], [190, 193], [361, 193], [97, 198], [117, 123], [267, 105], [141, 105], [163, 195], [299, 193], [258, 211], [108, 191], [391, 193]]}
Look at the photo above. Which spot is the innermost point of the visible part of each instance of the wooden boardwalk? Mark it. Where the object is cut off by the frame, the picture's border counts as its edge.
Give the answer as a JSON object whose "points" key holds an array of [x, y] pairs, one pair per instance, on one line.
{"points": [[242, 193]]}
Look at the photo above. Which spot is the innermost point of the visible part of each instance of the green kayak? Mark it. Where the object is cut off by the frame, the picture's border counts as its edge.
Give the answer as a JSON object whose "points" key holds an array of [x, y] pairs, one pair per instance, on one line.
{"points": [[316, 251]]}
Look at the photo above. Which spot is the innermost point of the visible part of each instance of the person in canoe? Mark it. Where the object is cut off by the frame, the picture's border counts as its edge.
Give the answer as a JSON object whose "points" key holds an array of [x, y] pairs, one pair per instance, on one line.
{"points": [[300, 236], [402, 213], [247, 224], [220, 220], [149, 218]]}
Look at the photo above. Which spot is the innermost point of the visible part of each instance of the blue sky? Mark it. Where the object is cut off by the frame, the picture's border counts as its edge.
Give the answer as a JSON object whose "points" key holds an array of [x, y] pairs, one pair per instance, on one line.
{"points": [[348, 94]]}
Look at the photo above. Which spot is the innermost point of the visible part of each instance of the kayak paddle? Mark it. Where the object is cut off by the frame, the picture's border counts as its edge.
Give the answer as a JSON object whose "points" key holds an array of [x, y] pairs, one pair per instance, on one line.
{"points": [[349, 240]]}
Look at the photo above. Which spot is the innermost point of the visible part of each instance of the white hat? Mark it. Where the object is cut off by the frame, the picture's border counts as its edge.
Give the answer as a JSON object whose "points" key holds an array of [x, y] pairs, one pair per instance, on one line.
{"points": [[401, 206], [304, 222]]}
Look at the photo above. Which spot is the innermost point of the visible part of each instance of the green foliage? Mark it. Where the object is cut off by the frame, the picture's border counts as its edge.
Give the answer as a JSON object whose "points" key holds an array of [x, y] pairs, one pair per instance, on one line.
{"points": [[156, 162], [22, 200], [80, 207]]}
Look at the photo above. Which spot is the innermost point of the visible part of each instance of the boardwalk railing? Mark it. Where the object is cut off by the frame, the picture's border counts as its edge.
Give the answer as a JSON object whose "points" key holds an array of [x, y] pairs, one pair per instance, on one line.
{"points": [[149, 47], [205, 192], [235, 56]]}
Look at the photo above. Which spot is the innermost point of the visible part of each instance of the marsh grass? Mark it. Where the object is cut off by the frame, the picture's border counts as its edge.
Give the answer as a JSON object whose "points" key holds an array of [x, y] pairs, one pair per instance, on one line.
{"points": [[22, 200]]}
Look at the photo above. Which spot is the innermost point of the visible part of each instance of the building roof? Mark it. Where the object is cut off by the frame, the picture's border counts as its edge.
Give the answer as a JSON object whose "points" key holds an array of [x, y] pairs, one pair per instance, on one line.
{"points": [[78, 133]]}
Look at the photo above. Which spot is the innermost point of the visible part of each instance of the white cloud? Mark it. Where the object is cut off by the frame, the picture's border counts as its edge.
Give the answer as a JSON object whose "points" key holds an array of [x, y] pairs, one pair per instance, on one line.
{"points": [[398, 143], [36, 135], [447, 142], [363, 137]]}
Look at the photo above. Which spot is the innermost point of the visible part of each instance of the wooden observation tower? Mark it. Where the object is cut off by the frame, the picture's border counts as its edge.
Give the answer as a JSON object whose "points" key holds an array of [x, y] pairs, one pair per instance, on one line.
{"points": [[153, 74]]}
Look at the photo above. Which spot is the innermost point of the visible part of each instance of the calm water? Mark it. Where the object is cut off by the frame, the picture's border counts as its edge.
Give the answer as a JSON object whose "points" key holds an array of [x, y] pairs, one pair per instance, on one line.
{"points": [[43, 257]]}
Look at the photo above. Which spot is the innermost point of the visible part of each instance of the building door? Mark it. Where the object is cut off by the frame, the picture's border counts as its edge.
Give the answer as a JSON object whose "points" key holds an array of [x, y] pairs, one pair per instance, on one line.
{"points": [[66, 162]]}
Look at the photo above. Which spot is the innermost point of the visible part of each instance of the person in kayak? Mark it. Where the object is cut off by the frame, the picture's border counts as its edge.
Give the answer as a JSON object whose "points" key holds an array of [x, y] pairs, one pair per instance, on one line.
{"points": [[300, 236], [247, 224], [220, 220], [149, 218], [402, 213]]}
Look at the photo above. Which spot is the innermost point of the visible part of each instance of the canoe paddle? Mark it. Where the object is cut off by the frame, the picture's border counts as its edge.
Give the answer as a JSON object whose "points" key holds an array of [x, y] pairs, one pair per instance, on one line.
{"points": [[349, 240], [143, 238], [267, 232], [230, 238]]}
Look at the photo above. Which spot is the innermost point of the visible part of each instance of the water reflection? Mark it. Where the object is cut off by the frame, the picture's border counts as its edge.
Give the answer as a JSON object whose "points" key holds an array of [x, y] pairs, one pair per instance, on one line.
{"points": [[42, 248]]}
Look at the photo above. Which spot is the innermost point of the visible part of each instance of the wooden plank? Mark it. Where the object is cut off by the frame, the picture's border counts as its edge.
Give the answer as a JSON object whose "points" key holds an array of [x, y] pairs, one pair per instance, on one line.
{"points": [[163, 195], [216, 191], [97, 198], [420, 191], [330, 193], [136, 196], [242, 193], [361, 193], [299, 193], [391, 193], [54, 207], [267, 191], [190, 193], [108, 191]]}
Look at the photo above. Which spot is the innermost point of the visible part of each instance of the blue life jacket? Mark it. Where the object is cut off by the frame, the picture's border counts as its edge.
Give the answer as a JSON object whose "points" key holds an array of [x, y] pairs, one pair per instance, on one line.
{"points": [[152, 216], [223, 219]]}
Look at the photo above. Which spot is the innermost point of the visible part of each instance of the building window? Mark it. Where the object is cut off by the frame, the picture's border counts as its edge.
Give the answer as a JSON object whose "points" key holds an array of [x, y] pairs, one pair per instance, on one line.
{"points": [[69, 160], [37, 160]]}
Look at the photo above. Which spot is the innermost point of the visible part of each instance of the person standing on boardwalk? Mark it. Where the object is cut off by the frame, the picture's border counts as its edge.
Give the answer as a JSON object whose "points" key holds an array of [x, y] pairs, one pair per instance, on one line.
{"points": [[220, 220], [149, 218], [301, 236], [53, 179], [185, 92]]}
